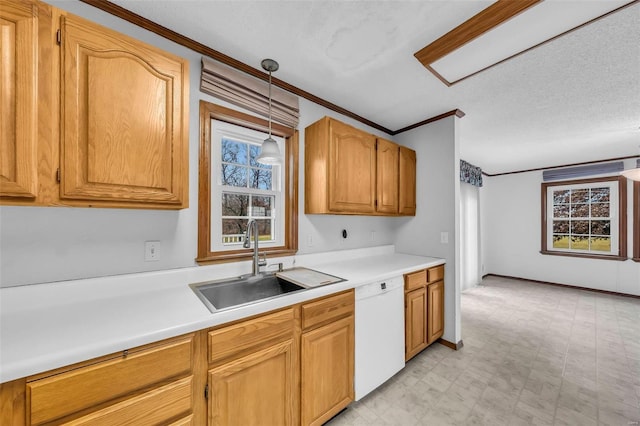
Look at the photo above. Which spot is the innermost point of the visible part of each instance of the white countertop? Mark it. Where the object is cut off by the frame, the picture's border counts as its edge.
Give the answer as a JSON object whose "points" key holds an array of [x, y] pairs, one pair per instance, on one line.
{"points": [[46, 326]]}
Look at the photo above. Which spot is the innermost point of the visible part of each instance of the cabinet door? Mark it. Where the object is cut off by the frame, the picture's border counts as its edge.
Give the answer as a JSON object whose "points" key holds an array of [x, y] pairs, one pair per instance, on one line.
{"points": [[435, 299], [257, 389], [327, 371], [415, 322], [124, 129], [18, 99], [387, 176], [352, 169], [407, 175]]}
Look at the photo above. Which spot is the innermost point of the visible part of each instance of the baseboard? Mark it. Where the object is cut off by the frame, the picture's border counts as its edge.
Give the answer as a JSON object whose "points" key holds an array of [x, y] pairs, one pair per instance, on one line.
{"points": [[454, 346], [595, 290]]}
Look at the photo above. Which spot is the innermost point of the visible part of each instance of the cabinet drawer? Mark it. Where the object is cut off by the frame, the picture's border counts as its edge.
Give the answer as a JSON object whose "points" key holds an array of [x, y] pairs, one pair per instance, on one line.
{"points": [[248, 335], [435, 274], [327, 309], [150, 408], [415, 280], [59, 395]]}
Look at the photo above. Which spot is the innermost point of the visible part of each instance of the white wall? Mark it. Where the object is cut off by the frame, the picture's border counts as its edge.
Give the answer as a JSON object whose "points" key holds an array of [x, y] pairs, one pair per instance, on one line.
{"points": [[437, 210], [511, 239], [43, 244]]}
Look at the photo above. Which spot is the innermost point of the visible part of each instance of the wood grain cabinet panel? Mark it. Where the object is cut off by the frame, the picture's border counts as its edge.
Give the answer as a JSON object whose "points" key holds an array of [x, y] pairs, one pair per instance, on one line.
{"points": [[352, 169], [387, 176], [349, 171], [407, 182], [151, 408], [327, 371], [435, 309], [327, 309], [18, 99], [229, 341], [69, 392], [257, 389], [415, 322], [124, 133], [424, 309]]}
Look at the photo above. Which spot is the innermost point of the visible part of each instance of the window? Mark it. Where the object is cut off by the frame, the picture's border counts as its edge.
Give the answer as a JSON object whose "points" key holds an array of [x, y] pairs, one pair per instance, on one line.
{"points": [[585, 218], [234, 188], [242, 189]]}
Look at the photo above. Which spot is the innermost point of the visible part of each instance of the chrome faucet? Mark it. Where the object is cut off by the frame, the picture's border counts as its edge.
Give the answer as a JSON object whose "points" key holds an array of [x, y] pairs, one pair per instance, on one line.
{"points": [[252, 227]]}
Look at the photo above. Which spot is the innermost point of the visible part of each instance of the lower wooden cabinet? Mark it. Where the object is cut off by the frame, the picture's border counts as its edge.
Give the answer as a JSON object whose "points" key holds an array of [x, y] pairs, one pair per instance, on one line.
{"points": [[327, 370], [435, 310], [288, 367], [144, 386], [415, 320], [256, 389], [424, 309]]}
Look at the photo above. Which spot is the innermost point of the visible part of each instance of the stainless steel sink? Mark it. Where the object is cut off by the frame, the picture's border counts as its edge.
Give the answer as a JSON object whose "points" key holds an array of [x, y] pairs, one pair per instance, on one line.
{"points": [[217, 295]]}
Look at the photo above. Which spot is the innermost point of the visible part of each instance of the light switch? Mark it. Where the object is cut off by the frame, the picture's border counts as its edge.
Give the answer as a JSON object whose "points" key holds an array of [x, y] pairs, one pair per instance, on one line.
{"points": [[151, 251], [444, 238]]}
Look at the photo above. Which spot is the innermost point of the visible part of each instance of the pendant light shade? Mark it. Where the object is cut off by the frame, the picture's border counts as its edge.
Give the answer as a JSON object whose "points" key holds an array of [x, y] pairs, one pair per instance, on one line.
{"points": [[269, 151]]}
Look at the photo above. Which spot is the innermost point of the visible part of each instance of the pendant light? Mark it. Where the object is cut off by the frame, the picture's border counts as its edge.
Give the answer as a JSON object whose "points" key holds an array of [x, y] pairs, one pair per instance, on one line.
{"points": [[269, 152]]}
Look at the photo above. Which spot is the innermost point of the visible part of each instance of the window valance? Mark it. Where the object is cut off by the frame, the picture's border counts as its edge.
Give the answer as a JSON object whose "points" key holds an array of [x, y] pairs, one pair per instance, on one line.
{"points": [[470, 174], [582, 171], [248, 92]]}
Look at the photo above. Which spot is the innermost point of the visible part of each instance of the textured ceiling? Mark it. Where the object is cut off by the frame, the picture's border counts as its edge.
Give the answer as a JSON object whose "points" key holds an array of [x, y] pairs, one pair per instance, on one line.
{"points": [[576, 98]]}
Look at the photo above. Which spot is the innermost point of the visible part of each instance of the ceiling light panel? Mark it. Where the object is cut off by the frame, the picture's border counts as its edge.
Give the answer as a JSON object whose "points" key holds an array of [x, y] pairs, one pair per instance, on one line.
{"points": [[536, 25]]}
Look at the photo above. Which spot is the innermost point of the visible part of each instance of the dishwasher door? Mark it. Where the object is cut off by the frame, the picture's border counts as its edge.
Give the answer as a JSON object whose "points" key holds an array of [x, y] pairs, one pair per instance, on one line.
{"points": [[379, 334]]}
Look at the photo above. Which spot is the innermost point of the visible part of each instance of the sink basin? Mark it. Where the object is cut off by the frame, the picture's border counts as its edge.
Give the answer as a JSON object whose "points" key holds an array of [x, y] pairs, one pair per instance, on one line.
{"points": [[219, 295]]}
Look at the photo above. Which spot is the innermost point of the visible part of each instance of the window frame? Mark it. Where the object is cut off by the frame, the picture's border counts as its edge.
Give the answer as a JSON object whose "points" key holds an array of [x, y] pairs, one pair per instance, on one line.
{"points": [[636, 221], [622, 218], [205, 254]]}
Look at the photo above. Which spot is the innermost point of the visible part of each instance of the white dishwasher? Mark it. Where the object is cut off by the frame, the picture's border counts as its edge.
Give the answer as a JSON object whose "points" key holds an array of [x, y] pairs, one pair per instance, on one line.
{"points": [[379, 334]]}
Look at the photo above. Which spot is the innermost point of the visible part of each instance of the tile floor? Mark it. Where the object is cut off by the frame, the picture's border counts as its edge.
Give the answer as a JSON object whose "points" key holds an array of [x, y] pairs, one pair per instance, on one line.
{"points": [[533, 354]]}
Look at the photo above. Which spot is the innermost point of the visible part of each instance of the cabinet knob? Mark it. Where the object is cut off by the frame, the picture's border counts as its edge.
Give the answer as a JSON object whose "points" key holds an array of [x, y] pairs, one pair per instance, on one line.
{"points": [[383, 286]]}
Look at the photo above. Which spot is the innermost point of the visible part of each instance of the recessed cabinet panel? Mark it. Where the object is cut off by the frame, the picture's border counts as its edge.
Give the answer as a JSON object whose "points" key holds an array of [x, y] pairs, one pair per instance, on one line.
{"points": [[18, 99], [387, 175], [123, 132], [407, 175], [352, 169], [258, 389], [327, 371], [415, 322], [435, 300]]}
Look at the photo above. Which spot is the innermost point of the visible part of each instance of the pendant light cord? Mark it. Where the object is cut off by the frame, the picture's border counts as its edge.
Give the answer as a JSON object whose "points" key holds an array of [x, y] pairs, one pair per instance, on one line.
{"points": [[269, 104]]}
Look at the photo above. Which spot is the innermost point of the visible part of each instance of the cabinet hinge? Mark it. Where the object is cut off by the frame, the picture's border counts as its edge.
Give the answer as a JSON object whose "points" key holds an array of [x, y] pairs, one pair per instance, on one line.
{"points": [[206, 391], [58, 37], [58, 175]]}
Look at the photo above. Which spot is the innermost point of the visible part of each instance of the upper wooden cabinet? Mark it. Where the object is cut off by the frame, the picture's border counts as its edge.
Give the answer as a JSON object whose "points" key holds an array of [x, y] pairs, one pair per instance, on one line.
{"points": [[340, 169], [407, 176], [110, 127], [349, 171], [123, 125], [18, 99], [387, 176]]}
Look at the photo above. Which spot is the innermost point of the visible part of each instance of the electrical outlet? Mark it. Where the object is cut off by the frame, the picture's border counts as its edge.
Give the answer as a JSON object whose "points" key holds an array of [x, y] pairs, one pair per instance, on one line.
{"points": [[444, 238], [373, 236], [309, 240], [151, 251]]}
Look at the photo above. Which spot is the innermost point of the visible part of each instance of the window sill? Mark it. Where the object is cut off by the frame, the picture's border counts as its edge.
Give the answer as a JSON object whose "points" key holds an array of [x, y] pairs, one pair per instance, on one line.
{"points": [[240, 255], [586, 256]]}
